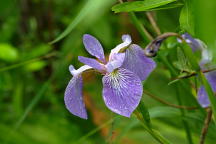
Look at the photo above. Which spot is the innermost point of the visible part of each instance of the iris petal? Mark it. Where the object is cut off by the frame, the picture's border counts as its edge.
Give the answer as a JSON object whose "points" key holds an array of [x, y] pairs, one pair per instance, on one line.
{"points": [[203, 97], [194, 43], [126, 42], [94, 47], [122, 91], [73, 97], [202, 94], [92, 63], [116, 62], [136, 61]]}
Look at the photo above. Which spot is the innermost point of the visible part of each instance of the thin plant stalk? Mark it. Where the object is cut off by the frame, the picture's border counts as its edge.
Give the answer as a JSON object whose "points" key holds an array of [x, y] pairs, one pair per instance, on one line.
{"points": [[206, 126]]}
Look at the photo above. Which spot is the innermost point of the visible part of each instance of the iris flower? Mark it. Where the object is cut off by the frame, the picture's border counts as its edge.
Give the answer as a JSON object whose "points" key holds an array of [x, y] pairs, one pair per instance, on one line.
{"points": [[124, 72], [205, 64]]}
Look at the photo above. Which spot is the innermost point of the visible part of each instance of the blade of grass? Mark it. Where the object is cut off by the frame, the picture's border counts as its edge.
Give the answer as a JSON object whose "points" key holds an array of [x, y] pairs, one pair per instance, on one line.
{"points": [[144, 117], [90, 7], [33, 103], [92, 132], [141, 29], [27, 62]]}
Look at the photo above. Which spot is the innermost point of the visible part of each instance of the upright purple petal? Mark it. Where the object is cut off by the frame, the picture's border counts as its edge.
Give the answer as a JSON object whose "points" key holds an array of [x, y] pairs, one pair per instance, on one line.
{"points": [[73, 97], [202, 94], [126, 42], [122, 91], [94, 47], [136, 61], [116, 62], [92, 63]]}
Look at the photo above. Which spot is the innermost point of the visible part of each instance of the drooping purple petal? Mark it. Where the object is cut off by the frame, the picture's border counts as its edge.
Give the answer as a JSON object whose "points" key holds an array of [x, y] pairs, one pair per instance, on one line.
{"points": [[194, 43], [73, 97], [203, 97], [116, 62], [94, 47], [122, 91], [136, 61], [92, 63], [211, 77], [202, 94]]}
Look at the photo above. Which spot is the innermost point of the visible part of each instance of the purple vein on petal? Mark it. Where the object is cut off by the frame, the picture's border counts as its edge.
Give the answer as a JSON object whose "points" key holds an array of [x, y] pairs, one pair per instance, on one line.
{"points": [[122, 91], [73, 97], [136, 61], [94, 47]]}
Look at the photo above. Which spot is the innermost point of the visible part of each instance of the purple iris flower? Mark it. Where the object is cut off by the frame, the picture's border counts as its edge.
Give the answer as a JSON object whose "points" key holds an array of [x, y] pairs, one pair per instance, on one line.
{"points": [[122, 80], [196, 44]]}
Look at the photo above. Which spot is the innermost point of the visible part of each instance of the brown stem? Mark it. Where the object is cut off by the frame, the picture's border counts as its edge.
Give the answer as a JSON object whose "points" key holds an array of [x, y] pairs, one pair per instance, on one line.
{"points": [[193, 74], [153, 23], [206, 125], [167, 103], [152, 48]]}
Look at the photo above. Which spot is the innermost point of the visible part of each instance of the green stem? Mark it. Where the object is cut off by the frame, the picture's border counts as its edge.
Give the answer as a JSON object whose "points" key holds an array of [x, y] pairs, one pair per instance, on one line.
{"points": [[155, 134], [174, 73], [194, 63], [142, 30], [186, 125]]}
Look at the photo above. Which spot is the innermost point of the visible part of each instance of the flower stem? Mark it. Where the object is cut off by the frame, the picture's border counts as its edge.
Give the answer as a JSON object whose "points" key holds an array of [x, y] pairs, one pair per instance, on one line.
{"points": [[206, 125], [153, 23], [155, 134], [174, 73], [186, 125], [167, 103], [142, 30]]}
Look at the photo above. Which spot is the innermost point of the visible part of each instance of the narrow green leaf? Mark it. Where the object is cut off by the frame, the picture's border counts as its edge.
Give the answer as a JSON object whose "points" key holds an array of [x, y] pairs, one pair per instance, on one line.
{"points": [[91, 8], [140, 5], [191, 57], [168, 6], [164, 111], [186, 18], [142, 109], [32, 104]]}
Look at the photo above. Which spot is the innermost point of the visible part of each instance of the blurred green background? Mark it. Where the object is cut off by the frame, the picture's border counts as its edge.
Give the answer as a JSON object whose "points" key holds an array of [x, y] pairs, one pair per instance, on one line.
{"points": [[34, 73]]}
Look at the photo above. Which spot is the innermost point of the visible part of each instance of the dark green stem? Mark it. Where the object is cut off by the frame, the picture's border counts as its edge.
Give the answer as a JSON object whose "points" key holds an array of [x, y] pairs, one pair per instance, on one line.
{"points": [[142, 30], [186, 125]]}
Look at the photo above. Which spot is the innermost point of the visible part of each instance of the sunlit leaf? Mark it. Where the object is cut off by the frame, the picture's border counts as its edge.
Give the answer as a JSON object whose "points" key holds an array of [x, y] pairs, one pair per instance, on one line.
{"points": [[8, 52], [140, 5], [35, 66]]}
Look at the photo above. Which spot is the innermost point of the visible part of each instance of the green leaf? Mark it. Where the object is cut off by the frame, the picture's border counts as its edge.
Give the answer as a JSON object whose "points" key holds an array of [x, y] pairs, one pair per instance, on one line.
{"points": [[91, 8], [8, 52], [168, 6], [186, 18], [35, 66], [164, 111], [142, 109], [140, 5]]}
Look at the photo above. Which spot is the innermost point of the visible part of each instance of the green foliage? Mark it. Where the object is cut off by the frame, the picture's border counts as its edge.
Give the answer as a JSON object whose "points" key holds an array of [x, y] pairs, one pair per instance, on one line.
{"points": [[34, 73], [186, 18], [142, 5], [8, 53]]}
